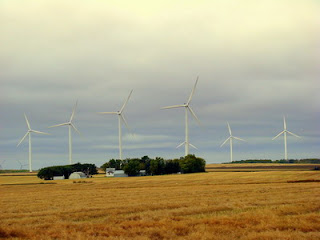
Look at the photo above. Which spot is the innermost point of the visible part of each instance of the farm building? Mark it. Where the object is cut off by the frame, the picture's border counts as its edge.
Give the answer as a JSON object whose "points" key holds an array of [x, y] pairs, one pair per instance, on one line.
{"points": [[77, 175], [58, 177], [115, 173], [110, 172]]}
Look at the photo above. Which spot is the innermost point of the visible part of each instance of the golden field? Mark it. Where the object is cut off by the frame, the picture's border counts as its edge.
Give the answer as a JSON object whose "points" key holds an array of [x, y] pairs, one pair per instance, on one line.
{"points": [[283, 204]]}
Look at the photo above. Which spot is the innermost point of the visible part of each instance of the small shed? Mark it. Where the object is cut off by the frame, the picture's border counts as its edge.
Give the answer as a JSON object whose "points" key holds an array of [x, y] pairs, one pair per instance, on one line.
{"points": [[77, 175], [115, 173], [120, 173], [58, 177]]}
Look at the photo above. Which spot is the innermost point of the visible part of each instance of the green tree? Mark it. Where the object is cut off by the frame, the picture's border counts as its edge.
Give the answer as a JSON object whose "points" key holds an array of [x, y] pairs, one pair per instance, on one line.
{"points": [[105, 166], [132, 168], [157, 166], [172, 166], [192, 164]]}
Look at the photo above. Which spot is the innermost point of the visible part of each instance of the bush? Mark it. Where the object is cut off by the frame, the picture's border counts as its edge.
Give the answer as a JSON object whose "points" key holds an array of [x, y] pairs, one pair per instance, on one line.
{"points": [[172, 166], [192, 164]]}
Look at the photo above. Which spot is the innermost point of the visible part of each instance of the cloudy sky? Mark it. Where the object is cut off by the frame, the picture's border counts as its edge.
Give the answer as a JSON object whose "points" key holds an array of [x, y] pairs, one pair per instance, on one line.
{"points": [[256, 61]]}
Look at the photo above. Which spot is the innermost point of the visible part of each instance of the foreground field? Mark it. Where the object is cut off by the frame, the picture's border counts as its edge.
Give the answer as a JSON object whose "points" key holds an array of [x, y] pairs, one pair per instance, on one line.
{"points": [[214, 205]]}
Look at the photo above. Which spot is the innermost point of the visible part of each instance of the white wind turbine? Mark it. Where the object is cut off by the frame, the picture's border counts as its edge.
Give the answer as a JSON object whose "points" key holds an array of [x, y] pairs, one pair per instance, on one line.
{"points": [[2, 162], [30, 147], [21, 165], [187, 108], [70, 124], [120, 118], [230, 138], [284, 132]]}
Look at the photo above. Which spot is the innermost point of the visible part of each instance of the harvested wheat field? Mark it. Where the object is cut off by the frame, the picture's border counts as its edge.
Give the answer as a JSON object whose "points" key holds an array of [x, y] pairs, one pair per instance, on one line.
{"points": [[214, 205]]}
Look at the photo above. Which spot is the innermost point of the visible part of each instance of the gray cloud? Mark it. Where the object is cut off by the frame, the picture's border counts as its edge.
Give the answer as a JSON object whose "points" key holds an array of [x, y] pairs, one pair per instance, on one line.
{"points": [[257, 61]]}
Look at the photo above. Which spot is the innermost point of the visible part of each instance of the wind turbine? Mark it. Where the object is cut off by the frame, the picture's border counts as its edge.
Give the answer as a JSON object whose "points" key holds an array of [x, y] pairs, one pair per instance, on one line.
{"points": [[230, 138], [121, 118], [284, 132], [187, 108], [30, 147], [21, 165], [70, 124]]}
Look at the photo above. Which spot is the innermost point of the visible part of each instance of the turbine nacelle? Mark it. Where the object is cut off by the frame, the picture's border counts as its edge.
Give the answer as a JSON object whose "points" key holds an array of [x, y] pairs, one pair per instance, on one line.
{"points": [[187, 107], [230, 138], [284, 132], [30, 131], [71, 125], [29, 134], [121, 118], [184, 143], [70, 121]]}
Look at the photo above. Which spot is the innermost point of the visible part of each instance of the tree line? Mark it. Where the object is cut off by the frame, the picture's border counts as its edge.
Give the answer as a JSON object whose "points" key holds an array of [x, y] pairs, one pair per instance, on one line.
{"points": [[48, 173], [158, 165], [305, 160]]}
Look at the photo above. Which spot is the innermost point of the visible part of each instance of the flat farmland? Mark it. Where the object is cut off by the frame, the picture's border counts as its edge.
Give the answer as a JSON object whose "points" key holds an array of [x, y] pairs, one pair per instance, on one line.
{"points": [[282, 204]]}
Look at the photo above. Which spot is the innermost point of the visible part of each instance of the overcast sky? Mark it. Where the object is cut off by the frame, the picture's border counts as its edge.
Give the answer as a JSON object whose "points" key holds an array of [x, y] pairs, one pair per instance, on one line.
{"points": [[256, 61]]}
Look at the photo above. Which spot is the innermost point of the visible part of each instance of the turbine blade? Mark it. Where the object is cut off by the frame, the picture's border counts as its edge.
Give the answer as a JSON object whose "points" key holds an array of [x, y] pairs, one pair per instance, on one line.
{"points": [[75, 129], [40, 132], [194, 115], [293, 134], [180, 144], [107, 112], [192, 92], [73, 111], [173, 106], [28, 124], [239, 139], [278, 135], [284, 123], [58, 125], [125, 123], [125, 103], [23, 138], [225, 141], [229, 129], [193, 146]]}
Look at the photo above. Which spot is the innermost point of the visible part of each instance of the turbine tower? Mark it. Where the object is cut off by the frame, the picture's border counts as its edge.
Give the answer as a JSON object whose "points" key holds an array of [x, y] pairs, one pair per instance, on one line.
{"points": [[30, 147], [284, 132], [187, 108], [70, 124], [121, 118], [230, 138]]}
